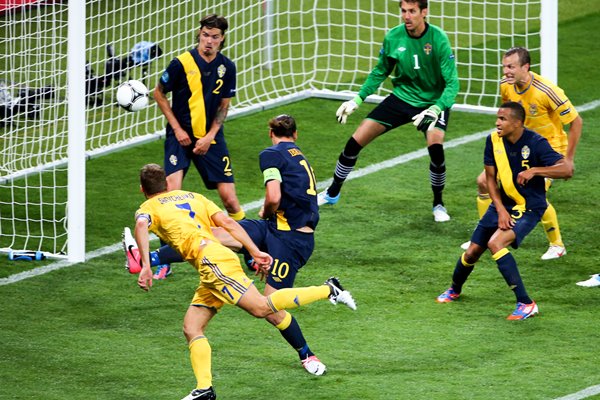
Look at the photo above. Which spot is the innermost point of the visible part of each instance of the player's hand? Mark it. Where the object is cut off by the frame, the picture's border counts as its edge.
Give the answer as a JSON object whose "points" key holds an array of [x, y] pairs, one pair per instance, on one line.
{"points": [[505, 220], [263, 262], [182, 136], [145, 279], [426, 119], [202, 145], [525, 176], [262, 272], [347, 108]]}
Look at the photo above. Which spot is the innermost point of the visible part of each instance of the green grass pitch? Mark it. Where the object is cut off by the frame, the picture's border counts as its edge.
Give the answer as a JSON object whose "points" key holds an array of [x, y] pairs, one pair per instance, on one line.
{"points": [[87, 331]]}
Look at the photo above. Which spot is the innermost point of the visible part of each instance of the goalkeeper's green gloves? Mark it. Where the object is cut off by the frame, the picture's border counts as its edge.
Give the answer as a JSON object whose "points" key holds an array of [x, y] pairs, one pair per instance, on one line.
{"points": [[426, 119], [347, 108]]}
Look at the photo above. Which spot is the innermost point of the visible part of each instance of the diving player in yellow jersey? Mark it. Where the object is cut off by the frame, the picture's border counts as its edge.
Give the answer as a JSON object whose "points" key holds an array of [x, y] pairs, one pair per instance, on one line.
{"points": [[184, 220], [547, 110]]}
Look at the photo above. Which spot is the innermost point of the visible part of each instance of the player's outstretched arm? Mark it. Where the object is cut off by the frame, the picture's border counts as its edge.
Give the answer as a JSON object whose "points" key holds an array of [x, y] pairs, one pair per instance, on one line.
{"points": [[560, 170], [143, 241], [262, 259]]}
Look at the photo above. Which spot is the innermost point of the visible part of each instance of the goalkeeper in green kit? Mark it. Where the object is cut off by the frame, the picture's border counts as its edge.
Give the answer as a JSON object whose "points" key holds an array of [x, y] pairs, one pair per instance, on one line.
{"points": [[423, 69]]}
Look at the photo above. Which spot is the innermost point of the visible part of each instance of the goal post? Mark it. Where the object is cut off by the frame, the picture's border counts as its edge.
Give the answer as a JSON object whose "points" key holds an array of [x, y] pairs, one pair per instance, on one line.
{"points": [[549, 40], [61, 61], [76, 128]]}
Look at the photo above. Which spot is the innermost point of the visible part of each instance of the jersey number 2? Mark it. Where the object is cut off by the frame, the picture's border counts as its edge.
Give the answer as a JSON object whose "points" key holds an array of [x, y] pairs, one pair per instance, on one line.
{"points": [[219, 83]]}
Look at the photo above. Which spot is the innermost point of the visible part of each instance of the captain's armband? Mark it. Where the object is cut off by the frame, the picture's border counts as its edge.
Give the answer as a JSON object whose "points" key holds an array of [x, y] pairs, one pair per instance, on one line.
{"points": [[270, 174]]}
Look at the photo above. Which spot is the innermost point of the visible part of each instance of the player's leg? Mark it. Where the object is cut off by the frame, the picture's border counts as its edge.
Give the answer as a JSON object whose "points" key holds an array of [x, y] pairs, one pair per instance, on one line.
{"points": [[556, 248], [288, 257], [281, 277], [437, 165], [483, 195], [176, 161], [292, 333], [222, 273], [290, 251], [364, 134], [217, 173], [194, 324], [285, 299], [483, 201], [466, 262], [390, 113], [507, 265], [175, 180], [230, 201]]}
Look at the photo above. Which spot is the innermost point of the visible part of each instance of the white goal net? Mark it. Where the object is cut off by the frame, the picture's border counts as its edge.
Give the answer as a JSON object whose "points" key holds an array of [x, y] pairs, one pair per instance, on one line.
{"points": [[284, 51]]}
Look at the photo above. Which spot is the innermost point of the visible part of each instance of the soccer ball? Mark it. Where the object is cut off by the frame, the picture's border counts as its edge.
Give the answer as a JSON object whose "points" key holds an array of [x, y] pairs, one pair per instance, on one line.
{"points": [[132, 95]]}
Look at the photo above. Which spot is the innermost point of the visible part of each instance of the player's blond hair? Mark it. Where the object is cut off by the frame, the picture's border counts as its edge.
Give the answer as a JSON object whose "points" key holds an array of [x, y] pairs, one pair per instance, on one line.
{"points": [[153, 179]]}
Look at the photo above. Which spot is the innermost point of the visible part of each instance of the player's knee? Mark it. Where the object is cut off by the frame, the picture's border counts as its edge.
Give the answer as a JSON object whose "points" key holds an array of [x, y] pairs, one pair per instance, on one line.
{"points": [[435, 136], [276, 318], [190, 331], [495, 246], [260, 309]]}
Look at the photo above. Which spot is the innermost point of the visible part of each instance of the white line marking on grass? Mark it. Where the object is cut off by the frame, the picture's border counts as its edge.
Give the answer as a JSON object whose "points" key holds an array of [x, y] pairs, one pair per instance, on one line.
{"points": [[582, 394], [404, 158], [58, 265]]}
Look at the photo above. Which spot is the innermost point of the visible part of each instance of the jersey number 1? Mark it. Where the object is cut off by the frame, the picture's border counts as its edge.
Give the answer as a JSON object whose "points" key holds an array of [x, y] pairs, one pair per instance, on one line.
{"points": [[311, 178], [416, 57]]}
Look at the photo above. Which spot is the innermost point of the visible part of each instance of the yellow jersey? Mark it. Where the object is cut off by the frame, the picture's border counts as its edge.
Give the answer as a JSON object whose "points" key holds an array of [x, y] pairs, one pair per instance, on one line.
{"points": [[547, 109], [182, 219]]}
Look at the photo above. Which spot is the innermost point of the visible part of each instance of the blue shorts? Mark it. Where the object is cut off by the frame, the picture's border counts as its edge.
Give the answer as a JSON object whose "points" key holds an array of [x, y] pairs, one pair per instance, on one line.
{"points": [[290, 250], [214, 167], [488, 225], [393, 112]]}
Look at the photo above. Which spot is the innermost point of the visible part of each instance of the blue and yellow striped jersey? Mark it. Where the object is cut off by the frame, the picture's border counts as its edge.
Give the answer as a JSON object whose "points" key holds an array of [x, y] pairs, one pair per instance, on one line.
{"points": [[547, 109], [198, 88], [531, 150], [181, 219], [298, 206]]}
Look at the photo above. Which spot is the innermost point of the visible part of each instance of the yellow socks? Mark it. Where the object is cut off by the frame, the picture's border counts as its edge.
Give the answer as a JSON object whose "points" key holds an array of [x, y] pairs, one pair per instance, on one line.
{"points": [[550, 224], [295, 297], [238, 216], [200, 356]]}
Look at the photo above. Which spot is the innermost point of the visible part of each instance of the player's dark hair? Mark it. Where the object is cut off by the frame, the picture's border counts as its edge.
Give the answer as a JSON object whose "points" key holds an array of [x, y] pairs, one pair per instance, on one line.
{"points": [[522, 52], [153, 179], [516, 110], [283, 125], [213, 21], [422, 3]]}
